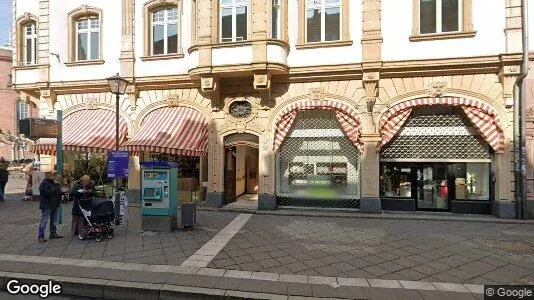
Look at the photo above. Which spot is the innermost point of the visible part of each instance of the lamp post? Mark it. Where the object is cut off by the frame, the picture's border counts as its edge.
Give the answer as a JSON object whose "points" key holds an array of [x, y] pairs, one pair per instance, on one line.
{"points": [[117, 86]]}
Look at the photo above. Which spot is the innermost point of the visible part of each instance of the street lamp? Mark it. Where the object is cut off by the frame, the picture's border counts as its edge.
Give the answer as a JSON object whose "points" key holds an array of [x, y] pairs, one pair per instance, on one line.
{"points": [[117, 86]]}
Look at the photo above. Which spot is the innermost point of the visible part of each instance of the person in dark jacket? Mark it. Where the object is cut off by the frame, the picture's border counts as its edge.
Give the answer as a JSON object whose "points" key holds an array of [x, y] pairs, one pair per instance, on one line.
{"points": [[4, 177], [83, 190], [50, 200]]}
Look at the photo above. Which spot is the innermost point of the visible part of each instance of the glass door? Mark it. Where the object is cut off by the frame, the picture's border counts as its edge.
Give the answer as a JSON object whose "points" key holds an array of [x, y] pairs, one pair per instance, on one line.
{"points": [[432, 187]]}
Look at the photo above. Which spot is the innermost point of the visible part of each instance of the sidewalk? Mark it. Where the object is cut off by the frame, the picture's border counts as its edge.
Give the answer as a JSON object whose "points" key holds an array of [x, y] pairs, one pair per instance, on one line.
{"points": [[274, 256]]}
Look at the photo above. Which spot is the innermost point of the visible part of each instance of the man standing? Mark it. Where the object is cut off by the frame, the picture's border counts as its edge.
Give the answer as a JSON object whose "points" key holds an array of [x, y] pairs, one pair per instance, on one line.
{"points": [[4, 177], [50, 191]]}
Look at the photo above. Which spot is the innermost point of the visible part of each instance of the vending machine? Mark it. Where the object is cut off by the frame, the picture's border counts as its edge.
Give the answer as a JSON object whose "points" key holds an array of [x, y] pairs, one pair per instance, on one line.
{"points": [[159, 196]]}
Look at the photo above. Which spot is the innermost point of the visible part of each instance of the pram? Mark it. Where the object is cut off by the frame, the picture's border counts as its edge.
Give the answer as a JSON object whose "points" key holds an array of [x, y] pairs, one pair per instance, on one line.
{"points": [[100, 216]]}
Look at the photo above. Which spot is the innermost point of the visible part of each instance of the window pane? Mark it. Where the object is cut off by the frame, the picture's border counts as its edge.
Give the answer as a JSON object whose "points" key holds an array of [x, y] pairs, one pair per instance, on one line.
{"points": [[158, 39], [82, 46], [95, 45], [82, 24], [172, 38], [226, 24], [274, 28], [449, 15], [428, 16], [29, 52], [241, 23], [313, 25], [95, 24], [172, 14], [332, 24], [158, 16], [474, 183], [395, 181]]}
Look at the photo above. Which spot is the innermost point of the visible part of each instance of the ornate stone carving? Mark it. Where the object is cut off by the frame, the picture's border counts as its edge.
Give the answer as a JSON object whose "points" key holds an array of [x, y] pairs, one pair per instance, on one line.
{"points": [[240, 109], [437, 89], [50, 97], [172, 100], [241, 114], [262, 82], [91, 103], [208, 84], [316, 94]]}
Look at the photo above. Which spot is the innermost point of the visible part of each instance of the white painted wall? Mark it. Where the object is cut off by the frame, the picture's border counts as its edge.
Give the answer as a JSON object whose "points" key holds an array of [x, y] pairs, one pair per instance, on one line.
{"points": [[232, 56], [111, 37], [276, 54], [331, 55], [488, 22], [163, 67], [27, 76], [530, 14], [27, 6]]}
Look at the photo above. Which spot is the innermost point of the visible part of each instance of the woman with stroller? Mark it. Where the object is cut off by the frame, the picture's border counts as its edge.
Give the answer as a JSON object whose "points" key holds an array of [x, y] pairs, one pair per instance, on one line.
{"points": [[83, 190]]}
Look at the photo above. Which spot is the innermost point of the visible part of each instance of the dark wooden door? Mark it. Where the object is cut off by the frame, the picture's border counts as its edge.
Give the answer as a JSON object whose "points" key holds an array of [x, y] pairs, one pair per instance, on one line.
{"points": [[229, 175]]}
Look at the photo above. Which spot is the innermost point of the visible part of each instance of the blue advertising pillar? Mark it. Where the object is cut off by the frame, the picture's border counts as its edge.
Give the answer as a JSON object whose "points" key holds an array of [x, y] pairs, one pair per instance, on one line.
{"points": [[59, 160]]}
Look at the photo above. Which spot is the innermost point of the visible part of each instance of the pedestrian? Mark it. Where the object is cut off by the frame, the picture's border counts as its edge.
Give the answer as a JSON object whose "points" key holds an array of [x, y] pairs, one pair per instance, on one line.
{"points": [[83, 190], [50, 195], [4, 177]]}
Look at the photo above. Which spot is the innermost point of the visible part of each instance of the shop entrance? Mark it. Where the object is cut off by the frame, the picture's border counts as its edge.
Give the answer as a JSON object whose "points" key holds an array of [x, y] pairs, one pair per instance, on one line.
{"points": [[241, 169]]}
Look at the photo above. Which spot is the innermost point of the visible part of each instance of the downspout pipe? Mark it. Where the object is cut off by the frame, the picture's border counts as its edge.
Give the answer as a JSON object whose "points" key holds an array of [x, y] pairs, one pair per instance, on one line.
{"points": [[519, 121]]}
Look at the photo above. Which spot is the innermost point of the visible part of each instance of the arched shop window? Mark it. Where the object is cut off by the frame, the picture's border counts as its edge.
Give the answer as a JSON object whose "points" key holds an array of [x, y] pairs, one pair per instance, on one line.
{"points": [[317, 161], [435, 158], [188, 166]]}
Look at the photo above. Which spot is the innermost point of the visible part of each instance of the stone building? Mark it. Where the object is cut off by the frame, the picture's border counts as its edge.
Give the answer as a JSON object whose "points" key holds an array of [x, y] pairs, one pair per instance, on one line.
{"points": [[371, 104], [13, 109]]}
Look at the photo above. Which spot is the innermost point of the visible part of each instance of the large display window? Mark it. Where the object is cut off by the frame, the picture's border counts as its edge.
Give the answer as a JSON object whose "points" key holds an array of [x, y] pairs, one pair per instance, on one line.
{"points": [[316, 160]]}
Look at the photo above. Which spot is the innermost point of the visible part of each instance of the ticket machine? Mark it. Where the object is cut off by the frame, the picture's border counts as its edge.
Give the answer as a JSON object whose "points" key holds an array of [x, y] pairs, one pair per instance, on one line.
{"points": [[159, 196]]}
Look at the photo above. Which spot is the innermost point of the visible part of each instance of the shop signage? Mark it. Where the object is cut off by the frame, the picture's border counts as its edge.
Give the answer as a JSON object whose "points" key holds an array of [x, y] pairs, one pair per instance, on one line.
{"points": [[34, 128], [117, 164]]}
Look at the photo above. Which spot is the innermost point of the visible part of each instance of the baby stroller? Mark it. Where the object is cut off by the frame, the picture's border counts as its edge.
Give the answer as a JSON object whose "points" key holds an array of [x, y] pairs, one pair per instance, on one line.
{"points": [[99, 215]]}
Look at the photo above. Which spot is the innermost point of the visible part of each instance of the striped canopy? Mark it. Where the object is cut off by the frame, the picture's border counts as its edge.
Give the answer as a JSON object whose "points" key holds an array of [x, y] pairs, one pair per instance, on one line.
{"points": [[346, 116], [86, 130], [175, 130], [482, 115]]}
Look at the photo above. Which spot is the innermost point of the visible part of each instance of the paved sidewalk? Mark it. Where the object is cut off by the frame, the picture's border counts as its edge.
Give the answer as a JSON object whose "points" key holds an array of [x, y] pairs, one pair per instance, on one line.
{"points": [[280, 256]]}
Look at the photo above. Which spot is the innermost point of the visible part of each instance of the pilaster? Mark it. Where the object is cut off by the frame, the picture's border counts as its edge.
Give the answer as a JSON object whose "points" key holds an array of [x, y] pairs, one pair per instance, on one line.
{"points": [[510, 70], [260, 19], [512, 31], [127, 57], [46, 103], [370, 198], [43, 35]]}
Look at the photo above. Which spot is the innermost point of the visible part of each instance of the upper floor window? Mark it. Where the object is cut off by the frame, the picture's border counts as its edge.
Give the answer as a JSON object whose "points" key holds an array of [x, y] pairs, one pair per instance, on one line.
{"points": [[323, 20], [85, 36], [88, 38], [23, 110], [29, 44], [438, 19], [440, 16], [164, 31], [276, 24], [234, 20]]}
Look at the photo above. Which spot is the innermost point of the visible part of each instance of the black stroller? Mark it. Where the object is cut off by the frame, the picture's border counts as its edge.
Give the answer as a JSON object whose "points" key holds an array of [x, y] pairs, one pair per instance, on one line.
{"points": [[100, 216]]}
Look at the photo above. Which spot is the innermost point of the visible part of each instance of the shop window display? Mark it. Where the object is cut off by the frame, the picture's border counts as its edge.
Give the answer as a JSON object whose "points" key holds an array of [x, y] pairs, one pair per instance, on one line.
{"points": [[188, 166], [316, 160]]}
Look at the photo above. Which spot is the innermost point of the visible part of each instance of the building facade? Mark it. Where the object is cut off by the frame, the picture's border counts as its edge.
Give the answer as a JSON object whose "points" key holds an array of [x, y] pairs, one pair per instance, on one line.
{"points": [[371, 104], [13, 109]]}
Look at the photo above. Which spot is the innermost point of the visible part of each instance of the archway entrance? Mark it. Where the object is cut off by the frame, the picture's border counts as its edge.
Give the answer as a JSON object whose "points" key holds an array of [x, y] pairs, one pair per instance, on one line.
{"points": [[241, 179]]}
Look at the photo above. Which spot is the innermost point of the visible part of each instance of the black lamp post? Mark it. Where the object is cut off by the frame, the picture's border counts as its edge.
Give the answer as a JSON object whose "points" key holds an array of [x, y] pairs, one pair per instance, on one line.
{"points": [[117, 85]]}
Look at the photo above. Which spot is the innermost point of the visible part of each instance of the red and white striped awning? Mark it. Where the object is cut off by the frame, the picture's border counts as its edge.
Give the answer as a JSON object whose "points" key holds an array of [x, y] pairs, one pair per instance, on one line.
{"points": [[175, 130], [346, 116], [484, 117], [86, 130]]}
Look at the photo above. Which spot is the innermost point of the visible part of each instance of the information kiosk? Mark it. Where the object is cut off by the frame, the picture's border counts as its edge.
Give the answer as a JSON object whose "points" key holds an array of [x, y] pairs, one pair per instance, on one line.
{"points": [[159, 196]]}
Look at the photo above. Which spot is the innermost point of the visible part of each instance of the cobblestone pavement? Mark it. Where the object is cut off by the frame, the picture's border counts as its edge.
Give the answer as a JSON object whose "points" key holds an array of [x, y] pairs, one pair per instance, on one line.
{"points": [[18, 235], [443, 251]]}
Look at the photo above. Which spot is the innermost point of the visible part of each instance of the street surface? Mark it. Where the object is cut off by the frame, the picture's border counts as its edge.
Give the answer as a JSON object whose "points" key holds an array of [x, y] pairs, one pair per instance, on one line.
{"points": [[392, 250]]}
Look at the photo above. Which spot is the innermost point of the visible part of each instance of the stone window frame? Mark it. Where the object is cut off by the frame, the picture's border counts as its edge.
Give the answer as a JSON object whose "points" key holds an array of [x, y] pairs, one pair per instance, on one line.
{"points": [[84, 11], [218, 22], [466, 30], [21, 22], [148, 8], [283, 16], [345, 28]]}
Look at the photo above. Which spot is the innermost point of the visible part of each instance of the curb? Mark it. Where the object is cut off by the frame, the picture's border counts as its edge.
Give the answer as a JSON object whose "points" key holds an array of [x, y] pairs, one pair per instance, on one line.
{"points": [[110, 289], [357, 214]]}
